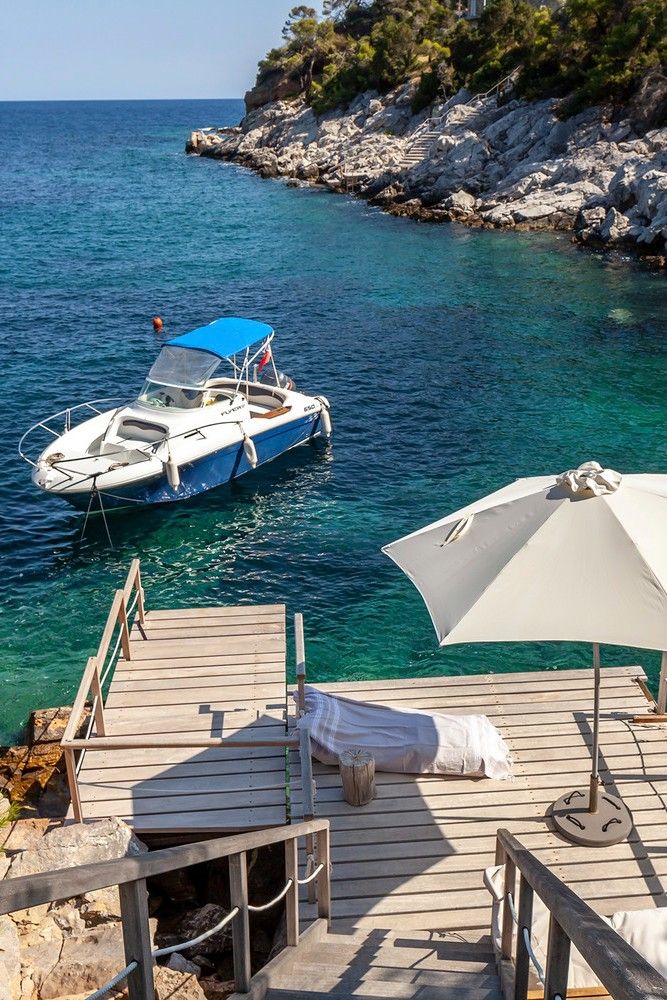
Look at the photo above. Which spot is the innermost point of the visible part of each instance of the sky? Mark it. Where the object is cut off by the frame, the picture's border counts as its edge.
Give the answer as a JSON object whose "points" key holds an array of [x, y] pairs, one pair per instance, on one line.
{"points": [[115, 49]]}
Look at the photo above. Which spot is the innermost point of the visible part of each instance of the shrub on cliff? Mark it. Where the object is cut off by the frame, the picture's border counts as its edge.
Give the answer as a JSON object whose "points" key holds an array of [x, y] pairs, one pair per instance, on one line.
{"points": [[598, 51], [589, 50]]}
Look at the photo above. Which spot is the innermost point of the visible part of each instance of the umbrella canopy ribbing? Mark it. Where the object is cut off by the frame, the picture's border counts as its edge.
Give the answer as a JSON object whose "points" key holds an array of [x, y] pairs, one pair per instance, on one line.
{"points": [[548, 558]]}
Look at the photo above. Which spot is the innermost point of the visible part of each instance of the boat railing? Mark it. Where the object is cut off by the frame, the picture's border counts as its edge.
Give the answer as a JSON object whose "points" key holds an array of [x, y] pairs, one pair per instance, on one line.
{"points": [[66, 419], [623, 972], [128, 609], [130, 874]]}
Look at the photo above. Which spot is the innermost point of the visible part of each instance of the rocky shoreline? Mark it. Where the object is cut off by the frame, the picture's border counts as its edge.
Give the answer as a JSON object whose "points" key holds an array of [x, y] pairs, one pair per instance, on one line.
{"points": [[477, 161]]}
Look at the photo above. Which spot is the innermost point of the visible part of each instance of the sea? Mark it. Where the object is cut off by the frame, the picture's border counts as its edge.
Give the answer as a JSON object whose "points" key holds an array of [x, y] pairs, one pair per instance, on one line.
{"points": [[455, 361]]}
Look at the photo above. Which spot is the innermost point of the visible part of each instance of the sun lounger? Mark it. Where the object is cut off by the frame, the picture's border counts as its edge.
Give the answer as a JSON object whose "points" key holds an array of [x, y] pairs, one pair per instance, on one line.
{"points": [[405, 740]]}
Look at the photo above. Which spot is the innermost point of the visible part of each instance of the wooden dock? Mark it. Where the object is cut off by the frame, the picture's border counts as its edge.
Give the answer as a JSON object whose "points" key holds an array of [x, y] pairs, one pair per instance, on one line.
{"points": [[195, 676], [192, 734], [414, 857]]}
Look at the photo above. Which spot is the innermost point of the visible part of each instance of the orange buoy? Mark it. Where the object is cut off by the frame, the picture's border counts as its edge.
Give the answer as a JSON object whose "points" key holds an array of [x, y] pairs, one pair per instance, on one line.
{"points": [[157, 324]]}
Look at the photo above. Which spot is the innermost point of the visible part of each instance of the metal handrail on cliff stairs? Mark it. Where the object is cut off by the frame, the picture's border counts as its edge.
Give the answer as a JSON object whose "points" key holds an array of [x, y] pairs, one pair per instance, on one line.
{"points": [[429, 128], [497, 87]]}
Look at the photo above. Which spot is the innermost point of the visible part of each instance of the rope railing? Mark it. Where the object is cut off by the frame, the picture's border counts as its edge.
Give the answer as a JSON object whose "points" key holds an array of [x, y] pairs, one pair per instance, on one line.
{"points": [[272, 902], [192, 942], [170, 949], [624, 973], [113, 983], [308, 878], [525, 931], [130, 874]]}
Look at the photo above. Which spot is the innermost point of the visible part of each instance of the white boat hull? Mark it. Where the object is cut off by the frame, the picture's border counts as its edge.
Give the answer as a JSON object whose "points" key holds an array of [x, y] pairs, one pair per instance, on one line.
{"points": [[175, 455]]}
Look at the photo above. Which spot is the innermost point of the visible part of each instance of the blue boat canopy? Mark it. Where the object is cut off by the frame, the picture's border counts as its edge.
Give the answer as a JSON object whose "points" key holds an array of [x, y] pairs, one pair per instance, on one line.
{"points": [[224, 337]]}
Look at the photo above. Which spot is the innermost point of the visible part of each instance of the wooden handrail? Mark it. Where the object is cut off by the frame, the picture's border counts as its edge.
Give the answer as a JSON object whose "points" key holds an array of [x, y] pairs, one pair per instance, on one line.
{"points": [[80, 701], [117, 605], [93, 678], [133, 582], [131, 874], [624, 973], [35, 890], [175, 742]]}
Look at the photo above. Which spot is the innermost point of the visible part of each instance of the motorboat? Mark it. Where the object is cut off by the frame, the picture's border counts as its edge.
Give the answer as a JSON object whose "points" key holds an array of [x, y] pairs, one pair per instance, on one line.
{"points": [[214, 406]]}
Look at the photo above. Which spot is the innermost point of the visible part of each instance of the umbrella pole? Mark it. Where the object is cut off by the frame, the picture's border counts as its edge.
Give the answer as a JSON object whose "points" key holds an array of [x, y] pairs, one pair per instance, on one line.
{"points": [[593, 816], [594, 782]]}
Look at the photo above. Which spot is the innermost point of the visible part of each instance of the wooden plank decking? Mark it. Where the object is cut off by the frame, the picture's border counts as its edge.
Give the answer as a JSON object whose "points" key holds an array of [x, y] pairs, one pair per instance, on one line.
{"points": [[200, 672], [414, 857]]}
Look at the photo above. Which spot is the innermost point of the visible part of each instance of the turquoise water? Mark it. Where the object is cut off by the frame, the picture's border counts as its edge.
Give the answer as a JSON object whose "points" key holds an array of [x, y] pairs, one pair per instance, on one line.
{"points": [[454, 360]]}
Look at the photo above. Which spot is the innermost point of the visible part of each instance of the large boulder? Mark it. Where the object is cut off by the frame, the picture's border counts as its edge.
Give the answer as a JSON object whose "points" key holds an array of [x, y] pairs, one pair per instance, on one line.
{"points": [[78, 844], [86, 962], [53, 938]]}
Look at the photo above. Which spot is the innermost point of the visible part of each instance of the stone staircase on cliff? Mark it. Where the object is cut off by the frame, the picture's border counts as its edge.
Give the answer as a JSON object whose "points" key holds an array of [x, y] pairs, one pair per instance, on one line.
{"points": [[381, 964], [419, 149]]}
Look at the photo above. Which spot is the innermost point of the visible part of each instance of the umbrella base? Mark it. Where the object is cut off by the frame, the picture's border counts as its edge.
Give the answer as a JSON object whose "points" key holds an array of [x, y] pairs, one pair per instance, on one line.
{"points": [[610, 824]]}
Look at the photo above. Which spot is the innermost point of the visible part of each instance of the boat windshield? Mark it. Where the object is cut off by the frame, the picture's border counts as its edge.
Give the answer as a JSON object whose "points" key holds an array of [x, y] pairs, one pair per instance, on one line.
{"points": [[172, 397], [183, 367]]}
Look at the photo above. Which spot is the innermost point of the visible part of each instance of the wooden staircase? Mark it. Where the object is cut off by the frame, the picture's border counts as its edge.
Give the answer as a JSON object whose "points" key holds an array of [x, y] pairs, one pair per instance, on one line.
{"points": [[420, 148], [382, 964]]}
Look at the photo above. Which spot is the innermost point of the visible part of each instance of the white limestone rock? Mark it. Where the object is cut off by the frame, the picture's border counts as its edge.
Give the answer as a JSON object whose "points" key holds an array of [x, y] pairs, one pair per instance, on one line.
{"points": [[461, 202], [78, 844], [10, 960], [614, 227], [519, 162]]}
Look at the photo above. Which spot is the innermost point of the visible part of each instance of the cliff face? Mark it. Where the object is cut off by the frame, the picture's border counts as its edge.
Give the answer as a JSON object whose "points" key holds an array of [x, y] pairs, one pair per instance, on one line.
{"points": [[273, 86], [514, 165]]}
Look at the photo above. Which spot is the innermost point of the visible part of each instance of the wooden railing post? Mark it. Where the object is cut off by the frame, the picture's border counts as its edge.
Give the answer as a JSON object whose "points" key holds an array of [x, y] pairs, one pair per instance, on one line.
{"points": [[292, 900], [324, 877], [308, 797], [125, 627], [73, 783], [238, 888], [508, 923], [662, 689], [98, 701], [137, 939], [141, 609], [558, 961], [300, 662], [525, 919]]}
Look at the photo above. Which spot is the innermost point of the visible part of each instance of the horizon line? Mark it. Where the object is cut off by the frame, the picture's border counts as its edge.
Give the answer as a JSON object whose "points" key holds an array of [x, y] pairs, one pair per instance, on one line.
{"points": [[100, 100]]}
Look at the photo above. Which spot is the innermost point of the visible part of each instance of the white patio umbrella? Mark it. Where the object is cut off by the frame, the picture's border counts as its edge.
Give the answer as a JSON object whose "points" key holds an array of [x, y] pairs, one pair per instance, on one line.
{"points": [[576, 557]]}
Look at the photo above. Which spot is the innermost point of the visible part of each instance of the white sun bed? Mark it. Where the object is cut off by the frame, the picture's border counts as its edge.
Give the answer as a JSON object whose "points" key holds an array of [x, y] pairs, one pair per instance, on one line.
{"points": [[404, 739]]}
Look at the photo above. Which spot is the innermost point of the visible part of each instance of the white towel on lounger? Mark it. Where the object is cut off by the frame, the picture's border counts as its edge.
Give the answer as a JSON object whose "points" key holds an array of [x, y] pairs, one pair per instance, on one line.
{"points": [[405, 739]]}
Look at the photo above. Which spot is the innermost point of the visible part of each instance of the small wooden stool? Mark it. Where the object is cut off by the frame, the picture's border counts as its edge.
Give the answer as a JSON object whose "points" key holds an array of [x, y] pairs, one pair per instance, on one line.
{"points": [[357, 772]]}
